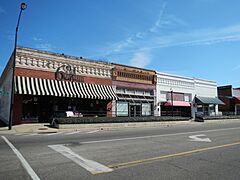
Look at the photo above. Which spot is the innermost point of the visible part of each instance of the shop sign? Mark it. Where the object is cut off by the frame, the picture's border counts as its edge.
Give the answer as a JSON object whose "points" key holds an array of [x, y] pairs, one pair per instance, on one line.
{"points": [[3, 92], [67, 72]]}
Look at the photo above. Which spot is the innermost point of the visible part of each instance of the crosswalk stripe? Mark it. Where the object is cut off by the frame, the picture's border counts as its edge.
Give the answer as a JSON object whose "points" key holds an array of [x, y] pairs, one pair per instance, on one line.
{"points": [[90, 165]]}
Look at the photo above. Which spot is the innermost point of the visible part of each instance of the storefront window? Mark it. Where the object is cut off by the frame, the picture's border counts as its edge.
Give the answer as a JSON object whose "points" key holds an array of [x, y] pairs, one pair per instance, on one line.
{"points": [[122, 108], [146, 109], [30, 108]]}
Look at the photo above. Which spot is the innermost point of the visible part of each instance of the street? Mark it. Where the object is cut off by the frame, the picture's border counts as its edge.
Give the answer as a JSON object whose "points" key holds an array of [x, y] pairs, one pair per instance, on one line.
{"points": [[195, 151]]}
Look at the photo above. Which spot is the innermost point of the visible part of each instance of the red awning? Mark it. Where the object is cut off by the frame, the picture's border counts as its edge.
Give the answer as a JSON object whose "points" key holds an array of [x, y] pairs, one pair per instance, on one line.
{"points": [[237, 100], [177, 103]]}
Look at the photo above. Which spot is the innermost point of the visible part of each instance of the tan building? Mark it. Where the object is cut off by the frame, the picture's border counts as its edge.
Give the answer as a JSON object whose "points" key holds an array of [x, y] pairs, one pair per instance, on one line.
{"points": [[135, 88]]}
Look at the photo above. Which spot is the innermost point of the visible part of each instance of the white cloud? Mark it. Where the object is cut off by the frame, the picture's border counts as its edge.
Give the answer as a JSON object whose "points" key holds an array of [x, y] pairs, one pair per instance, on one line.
{"points": [[37, 39], [188, 38], [157, 24], [141, 59], [152, 38], [45, 46], [139, 35], [42, 44], [171, 19]]}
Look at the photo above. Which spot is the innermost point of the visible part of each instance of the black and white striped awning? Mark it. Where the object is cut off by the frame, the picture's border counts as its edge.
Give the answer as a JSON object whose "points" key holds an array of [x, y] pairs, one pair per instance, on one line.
{"points": [[38, 86]]}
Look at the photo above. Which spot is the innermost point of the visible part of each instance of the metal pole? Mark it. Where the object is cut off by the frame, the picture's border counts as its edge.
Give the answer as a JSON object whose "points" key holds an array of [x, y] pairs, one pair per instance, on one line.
{"points": [[23, 6], [172, 101]]}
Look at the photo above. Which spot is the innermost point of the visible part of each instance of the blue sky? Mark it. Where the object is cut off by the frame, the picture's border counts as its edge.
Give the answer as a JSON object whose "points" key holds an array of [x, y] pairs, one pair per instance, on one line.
{"points": [[196, 38]]}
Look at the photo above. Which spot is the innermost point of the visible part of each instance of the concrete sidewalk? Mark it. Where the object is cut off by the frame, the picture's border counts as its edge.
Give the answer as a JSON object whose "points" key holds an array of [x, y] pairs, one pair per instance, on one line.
{"points": [[44, 127], [29, 128]]}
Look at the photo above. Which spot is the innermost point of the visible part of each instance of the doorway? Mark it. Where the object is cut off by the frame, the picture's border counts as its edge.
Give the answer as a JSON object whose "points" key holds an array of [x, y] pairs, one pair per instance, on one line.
{"points": [[135, 110]]}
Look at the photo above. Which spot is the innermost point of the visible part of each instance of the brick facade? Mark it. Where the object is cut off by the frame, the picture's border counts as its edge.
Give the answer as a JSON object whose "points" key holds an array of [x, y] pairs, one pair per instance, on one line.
{"points": [[51, 75], [17, 109]]}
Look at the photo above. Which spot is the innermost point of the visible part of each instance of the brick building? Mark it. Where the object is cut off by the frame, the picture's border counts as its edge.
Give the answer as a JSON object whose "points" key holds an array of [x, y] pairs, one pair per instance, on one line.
{"points": [[47, 82], [231, 98]]}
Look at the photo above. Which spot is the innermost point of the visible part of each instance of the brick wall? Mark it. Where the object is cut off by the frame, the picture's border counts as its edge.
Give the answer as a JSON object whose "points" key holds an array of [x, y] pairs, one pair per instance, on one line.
{"points": [[224, 91], [34, 73], [17, 109], [51, 75]]}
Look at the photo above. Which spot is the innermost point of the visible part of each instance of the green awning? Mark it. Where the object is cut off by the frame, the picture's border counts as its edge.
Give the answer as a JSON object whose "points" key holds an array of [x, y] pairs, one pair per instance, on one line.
{"points": [[207, 100]]}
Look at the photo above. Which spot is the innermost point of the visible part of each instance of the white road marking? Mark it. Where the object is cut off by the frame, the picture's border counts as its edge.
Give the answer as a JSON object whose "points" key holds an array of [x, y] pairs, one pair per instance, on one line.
{"points": [[33, 134], [198, 138], [153, 136], [19, 134], [52, 134], [25, 164], [90, 132], [75, 132], [91, 166]]}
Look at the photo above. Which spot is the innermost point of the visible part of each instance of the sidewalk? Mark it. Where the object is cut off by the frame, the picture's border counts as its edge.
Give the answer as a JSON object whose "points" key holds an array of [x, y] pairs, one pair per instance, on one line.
{"points": [[29, 128], [44, 127]]}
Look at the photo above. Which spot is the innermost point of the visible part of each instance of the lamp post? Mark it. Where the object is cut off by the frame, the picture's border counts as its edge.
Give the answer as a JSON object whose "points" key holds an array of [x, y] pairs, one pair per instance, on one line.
{"points": [[172, 100], [22, 8]]}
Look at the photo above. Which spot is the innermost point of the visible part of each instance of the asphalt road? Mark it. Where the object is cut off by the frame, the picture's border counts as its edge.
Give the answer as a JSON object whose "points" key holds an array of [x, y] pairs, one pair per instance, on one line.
{"points": [[196, 151]]}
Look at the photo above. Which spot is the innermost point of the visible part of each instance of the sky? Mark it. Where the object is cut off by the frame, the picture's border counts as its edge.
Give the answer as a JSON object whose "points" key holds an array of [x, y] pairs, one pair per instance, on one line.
{"points": [[194, 38]]}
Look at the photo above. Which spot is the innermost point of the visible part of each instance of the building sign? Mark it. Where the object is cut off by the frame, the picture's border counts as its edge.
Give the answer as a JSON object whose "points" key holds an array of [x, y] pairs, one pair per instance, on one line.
{"points": [[67, 72]]}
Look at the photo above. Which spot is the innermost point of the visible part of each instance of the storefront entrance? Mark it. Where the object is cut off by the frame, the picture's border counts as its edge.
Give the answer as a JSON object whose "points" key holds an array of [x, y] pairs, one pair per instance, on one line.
{"points": [[40, 109], [175, 111], [135, 110]]}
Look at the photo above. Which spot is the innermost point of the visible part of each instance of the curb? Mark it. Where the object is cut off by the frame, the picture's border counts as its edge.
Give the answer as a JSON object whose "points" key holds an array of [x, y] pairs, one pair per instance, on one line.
{"points": [[120, 125]]}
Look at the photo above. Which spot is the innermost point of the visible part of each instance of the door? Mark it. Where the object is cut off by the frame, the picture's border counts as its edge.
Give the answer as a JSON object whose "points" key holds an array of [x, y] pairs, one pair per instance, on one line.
{"points": [[132, 110], [135, 110]]}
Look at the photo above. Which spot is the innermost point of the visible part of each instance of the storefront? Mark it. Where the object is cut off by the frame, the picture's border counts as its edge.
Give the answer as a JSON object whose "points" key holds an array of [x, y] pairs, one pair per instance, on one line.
{"points": [[231, 98], [174, 95], [135, 89], [206, 106], [49, 82], [175, 105], [184, 96], [237, 105]]}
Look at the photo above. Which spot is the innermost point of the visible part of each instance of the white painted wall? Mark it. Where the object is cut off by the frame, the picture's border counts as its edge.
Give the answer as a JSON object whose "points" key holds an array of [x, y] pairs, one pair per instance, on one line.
{"points": [[168, 82], [189, 86]]}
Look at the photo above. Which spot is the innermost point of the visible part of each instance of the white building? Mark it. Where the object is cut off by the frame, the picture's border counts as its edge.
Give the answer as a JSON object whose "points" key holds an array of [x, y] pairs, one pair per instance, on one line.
{"points": [[184, 96]]}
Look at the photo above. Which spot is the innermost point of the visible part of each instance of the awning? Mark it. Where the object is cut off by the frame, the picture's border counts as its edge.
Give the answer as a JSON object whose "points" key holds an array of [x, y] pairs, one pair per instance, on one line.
{"points": [[208, 100], [38, 86], [237, 99], [177, 103]]}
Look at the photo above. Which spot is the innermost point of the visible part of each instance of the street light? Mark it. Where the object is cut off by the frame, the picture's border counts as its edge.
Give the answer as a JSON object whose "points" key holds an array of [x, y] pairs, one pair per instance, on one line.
{"points": [[23, 7]]}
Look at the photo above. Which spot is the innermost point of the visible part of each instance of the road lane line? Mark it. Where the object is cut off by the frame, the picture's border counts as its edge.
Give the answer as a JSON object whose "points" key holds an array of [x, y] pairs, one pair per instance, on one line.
{"points": [[91, 166], [153, 159], [90, 132], [52, 134], [75, 132], [25, 164], [153, 136], [33, 134]]}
